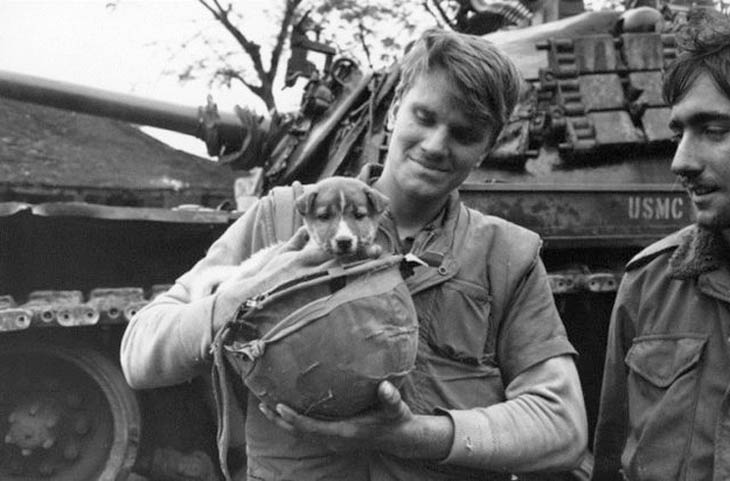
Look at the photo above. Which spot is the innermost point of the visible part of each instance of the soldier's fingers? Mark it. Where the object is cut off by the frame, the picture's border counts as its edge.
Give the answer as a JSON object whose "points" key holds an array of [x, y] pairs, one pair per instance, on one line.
{"points": [[342, 431], [299, 422], [275, 418], [290, 416], [391, 401]]}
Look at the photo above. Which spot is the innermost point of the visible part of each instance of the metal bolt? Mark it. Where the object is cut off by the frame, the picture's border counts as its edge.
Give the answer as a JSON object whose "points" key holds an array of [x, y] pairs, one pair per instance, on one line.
{"points": [[22, 321]]}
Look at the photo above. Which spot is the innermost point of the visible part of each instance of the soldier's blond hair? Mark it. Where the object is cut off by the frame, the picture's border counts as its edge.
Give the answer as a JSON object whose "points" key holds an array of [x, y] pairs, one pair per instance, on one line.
{"points": [[486, 82]]}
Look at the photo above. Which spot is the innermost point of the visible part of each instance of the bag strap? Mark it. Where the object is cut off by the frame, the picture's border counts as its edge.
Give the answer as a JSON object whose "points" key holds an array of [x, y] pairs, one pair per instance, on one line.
{"points": [[286, 216], [286, 220], [221, 394]]}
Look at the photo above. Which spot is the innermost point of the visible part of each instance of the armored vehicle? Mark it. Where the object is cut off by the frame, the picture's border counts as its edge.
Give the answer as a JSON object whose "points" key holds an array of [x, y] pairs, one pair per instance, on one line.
{"points": [[85, 240]]}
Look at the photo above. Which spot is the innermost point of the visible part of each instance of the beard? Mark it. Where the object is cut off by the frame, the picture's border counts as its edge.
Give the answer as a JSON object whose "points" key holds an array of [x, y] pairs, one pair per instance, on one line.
{"points": [[716, 222]]}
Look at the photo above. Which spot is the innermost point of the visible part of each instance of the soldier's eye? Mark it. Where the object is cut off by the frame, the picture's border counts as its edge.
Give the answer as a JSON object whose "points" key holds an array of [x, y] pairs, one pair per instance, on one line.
{"points": [[423, 116], [716, 132]]}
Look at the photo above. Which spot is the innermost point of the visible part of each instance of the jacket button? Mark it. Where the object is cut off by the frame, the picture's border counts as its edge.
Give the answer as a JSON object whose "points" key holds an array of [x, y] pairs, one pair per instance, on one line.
{"points": [[443, 270]]}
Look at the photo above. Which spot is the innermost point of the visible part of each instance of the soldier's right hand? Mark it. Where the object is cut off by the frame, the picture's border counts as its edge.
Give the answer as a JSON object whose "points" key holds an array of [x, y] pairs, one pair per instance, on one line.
{"points": [[295, 258]]}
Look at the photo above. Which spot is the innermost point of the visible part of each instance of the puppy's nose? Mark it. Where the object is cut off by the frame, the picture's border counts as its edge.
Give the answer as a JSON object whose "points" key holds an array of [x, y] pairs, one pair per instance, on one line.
{"points": [[344, 245]]}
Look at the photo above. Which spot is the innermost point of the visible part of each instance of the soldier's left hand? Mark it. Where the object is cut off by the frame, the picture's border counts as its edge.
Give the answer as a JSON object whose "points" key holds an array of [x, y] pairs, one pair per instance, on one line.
{"points": [[387, 428]]}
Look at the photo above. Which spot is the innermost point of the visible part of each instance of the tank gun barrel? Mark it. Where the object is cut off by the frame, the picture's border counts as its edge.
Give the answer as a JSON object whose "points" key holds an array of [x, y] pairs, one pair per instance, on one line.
{"points": [[129, 108]]}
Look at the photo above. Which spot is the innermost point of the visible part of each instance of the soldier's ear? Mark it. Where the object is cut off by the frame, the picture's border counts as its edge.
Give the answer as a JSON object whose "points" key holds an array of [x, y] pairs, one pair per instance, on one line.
{"points": [[392, 112]]}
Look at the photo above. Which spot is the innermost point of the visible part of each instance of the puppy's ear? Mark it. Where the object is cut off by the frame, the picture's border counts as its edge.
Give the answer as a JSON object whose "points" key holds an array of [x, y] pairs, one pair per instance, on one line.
{"points": [[305, 202], [377, 201]]}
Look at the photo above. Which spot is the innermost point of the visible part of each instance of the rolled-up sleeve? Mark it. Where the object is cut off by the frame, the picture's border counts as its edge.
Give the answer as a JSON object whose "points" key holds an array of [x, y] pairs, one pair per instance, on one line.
{"points": [[542, 424]]}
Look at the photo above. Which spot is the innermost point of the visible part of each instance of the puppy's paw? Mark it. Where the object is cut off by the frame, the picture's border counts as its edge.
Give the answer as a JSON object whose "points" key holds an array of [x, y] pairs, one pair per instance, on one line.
{"points": [[373, 250]]}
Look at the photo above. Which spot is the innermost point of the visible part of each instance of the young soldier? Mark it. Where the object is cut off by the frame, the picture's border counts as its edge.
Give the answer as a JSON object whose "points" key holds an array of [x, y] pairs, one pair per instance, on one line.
{"points": [[495, 389]]}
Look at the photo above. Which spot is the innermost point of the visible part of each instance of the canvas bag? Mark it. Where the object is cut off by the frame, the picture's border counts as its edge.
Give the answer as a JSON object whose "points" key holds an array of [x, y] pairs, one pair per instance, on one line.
{"points": [[320, 343]]}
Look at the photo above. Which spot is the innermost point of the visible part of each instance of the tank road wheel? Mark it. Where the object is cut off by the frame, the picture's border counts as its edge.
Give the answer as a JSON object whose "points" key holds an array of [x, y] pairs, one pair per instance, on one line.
{"points": [[65, 415]]}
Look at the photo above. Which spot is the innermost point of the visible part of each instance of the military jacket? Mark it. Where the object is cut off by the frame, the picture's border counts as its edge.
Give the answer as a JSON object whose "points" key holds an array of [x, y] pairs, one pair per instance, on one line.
{"points": [[665, 402]]}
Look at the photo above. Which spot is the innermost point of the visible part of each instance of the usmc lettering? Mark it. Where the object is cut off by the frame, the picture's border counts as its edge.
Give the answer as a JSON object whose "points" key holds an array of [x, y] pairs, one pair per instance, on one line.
{"points": [[656, 208]]}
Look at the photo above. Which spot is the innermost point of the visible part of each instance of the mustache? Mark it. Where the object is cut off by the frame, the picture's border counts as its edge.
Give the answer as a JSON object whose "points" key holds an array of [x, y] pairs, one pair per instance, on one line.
{"points": [[684, 181], [688, 181], [694, 182]]}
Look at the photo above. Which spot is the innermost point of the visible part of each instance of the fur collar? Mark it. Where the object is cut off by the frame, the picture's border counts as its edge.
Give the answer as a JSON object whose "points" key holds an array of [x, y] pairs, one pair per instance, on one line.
{"points": [[700, 250]]}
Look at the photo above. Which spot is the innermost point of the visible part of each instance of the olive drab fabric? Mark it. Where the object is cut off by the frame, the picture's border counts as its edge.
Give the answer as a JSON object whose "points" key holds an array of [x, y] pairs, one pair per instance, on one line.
{"points": [[664, 405], [320, 343]]}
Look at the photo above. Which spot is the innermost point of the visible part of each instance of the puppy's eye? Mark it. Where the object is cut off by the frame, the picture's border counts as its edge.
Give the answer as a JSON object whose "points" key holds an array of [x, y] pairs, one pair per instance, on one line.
{"points": [[359, 215], [324, 216]]}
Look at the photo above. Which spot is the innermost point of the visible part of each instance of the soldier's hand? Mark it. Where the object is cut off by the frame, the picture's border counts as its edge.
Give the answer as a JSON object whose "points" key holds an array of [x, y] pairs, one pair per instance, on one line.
{"points": [[392, 428], [265, 270], [286, 261]]}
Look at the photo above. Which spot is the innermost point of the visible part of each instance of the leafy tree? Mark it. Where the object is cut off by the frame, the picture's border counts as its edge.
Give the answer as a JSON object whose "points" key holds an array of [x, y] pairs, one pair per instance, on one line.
{"points": [[262, 84], [381, 30], [374, 31]]}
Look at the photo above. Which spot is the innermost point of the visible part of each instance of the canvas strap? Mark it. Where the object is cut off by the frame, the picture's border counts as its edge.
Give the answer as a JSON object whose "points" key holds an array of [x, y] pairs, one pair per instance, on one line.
{"points": [[286, 220]]}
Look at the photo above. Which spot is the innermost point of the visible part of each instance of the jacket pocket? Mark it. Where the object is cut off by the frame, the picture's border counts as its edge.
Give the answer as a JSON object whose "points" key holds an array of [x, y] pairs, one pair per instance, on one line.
{"points": [[661, 360], [662, 396], [455, 322], [456, 365]]}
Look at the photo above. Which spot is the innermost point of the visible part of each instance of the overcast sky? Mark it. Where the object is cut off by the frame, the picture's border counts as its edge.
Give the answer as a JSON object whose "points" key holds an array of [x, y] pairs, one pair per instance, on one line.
{"points": [[126, 48]]}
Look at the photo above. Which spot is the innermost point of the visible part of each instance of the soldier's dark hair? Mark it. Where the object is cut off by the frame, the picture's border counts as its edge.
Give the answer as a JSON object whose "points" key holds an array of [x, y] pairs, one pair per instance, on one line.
{"points": [[487, 83], [703, 44]]}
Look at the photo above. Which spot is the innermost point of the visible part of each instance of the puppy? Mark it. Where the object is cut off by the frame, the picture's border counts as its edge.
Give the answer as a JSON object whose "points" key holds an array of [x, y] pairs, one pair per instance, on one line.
{"points": [[341, 215]]}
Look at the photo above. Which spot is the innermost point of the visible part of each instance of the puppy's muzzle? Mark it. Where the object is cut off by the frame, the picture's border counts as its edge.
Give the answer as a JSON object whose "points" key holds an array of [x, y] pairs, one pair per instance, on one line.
{"points": [[345, 245], [344, 241]]}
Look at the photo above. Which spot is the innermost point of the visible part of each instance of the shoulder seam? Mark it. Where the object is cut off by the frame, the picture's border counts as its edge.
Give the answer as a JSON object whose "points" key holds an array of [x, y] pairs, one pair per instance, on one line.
{"points": [[668, 243]]}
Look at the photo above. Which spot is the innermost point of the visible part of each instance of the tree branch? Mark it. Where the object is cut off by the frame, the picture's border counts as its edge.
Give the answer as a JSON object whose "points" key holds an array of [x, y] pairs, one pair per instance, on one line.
{"points": [[291, 7], [443, 16], [361, 36], [253, 50]]}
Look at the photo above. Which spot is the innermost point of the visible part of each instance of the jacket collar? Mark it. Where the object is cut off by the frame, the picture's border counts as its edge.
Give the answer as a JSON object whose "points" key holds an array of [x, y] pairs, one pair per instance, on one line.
{"points": [[437, 252], [699, 251], [442, 226]]}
